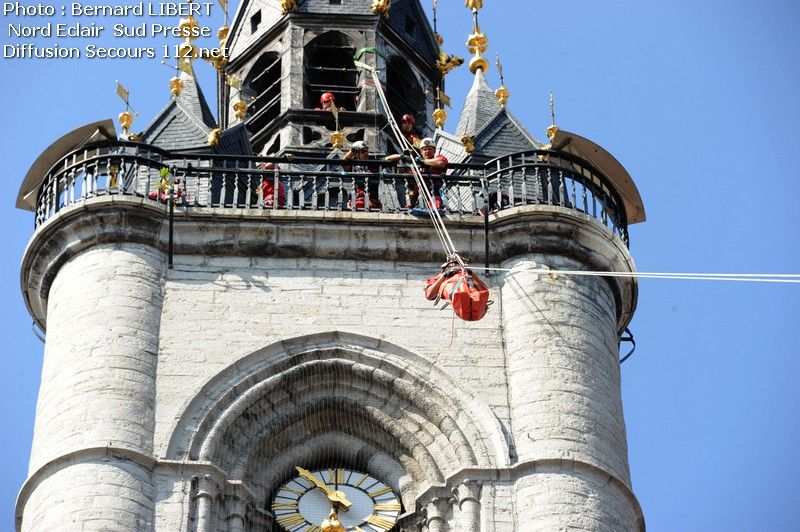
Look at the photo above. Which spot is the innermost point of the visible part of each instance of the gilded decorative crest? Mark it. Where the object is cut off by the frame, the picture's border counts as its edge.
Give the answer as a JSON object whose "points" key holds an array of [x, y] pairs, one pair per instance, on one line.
{"points": [[474, 4], [469, 143], [213, 137], [289, 6], [337, 139], [381, 7], [447, 62], [240, 109]]}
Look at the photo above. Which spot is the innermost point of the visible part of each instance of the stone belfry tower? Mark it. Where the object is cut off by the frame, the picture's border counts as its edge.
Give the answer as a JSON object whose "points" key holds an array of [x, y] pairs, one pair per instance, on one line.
{"points": [[234, 346], [289, 54]]}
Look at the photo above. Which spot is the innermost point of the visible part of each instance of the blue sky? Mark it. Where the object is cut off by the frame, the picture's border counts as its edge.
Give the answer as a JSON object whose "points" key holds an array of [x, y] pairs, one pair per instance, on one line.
{"points": [[699, 101]]}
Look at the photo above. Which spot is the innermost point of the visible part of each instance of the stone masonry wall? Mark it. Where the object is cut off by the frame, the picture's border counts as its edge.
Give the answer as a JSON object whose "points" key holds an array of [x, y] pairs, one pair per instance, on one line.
{"points": [[98, 380]]}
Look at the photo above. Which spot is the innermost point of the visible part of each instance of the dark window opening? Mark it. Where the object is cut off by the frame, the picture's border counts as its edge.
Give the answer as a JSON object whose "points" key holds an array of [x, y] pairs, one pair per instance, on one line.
{"points": [[329, 68], [255, 20], [404, 92], [309, 135], [263, 82], [358, 135], [336, 2]]}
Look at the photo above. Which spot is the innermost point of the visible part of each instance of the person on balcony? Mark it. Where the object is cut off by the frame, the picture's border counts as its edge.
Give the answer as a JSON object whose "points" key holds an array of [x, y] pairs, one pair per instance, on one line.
{"points": [[428, 162], [407, 123], [267, 187], [359, 151]]}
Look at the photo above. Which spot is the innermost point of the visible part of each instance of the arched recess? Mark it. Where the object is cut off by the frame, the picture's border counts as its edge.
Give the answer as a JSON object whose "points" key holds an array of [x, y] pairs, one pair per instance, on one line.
{"points": [[338, 397], [403, 91], [263, 82], [328, 67]]}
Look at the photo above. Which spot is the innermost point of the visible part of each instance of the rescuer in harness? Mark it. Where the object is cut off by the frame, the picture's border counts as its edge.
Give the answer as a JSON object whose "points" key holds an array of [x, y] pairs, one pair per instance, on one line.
{"points": [[365, 186], [428, 162]]}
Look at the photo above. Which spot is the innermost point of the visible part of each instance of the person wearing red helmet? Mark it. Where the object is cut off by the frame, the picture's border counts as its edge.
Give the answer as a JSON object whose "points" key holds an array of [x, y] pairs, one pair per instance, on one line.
{"points": [[326, 101], [407, 123]]}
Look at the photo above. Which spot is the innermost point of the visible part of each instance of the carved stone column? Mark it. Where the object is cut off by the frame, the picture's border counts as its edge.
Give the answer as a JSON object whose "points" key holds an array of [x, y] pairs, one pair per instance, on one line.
{"points": [[467, 494], [206, 492]]}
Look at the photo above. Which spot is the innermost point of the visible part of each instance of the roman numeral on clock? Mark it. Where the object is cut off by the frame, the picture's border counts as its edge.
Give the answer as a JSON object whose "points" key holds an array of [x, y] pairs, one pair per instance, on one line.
{"points": [[380, 522]]}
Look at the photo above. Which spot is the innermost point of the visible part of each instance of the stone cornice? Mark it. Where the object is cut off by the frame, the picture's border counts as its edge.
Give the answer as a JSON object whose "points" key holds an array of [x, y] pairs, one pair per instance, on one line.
{"points": [[513, 233]]}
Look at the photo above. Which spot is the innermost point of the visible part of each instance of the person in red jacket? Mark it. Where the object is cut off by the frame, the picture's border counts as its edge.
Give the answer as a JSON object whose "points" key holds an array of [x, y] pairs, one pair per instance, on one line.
{"points": [[428, 162], [267, 187]]}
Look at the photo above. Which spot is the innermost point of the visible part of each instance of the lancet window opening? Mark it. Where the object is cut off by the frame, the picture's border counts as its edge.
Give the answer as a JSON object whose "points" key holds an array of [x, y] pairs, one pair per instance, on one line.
{"points": [[264, 82], [328, 67]]}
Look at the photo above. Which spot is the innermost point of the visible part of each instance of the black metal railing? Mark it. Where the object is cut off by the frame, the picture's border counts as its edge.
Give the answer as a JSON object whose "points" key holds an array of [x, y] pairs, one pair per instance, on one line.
{"points": [[249, 183]]}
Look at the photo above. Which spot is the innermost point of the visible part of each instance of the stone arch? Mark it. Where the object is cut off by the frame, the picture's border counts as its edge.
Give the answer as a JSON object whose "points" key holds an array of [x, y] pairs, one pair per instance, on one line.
{"points": [[396, 415]]}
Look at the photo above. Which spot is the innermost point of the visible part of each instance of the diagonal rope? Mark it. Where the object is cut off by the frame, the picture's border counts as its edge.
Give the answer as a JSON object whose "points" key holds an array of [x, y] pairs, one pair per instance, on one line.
{"points": [[427, 195]]}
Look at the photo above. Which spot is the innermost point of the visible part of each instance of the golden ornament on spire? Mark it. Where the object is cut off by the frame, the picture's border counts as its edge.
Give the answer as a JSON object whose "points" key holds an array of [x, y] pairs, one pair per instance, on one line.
{"points": [[439, 118], [125, 121], [477, 43], [553, 129], [175, 86], [474, 4], [289, 6], [381, 7], [502, 93]]}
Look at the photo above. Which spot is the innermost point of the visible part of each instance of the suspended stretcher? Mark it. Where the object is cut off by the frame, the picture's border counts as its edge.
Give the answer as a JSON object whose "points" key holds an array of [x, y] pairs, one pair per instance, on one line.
{"points": [[464, 290], [456, 284]]}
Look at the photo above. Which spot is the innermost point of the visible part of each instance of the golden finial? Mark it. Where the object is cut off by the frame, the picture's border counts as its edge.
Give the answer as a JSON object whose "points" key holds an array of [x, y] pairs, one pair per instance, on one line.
{"points": [[381, 7], [125, 120], [240, 109], [477, 42], [502, 93], [289, 5], [337, 139], [553, 129], [213, 137], [469, 143], [175, 86], [332, 524], [439, 118], [125, 117]]}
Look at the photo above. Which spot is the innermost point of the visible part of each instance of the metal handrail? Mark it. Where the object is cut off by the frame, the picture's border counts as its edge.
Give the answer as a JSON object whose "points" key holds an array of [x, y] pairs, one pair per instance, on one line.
{"points": [[538, 177]]}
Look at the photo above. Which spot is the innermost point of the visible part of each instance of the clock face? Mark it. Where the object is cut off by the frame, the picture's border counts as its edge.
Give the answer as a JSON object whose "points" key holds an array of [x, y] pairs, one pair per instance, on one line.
{"points": [[302, 503]]}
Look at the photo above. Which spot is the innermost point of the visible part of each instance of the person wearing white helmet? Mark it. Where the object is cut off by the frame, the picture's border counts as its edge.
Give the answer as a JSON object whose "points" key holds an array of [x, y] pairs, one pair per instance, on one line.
{"points": [[429, 162], [359, 151]]}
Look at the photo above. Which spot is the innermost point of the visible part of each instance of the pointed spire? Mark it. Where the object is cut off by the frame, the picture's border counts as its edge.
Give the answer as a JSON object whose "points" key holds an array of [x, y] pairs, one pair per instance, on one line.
{"points": [[480, 106]]}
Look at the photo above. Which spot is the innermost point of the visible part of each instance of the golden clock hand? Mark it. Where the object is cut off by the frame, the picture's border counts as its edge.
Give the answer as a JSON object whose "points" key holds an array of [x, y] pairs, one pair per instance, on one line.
{"points": [[333, 496]]}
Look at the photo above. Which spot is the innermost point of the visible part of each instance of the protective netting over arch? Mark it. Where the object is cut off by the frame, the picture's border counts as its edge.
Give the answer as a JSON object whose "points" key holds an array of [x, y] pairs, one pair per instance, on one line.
{"points": [[341, 407]]}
